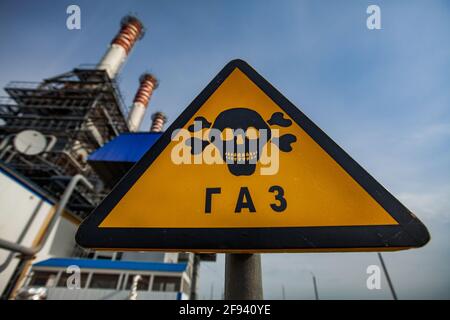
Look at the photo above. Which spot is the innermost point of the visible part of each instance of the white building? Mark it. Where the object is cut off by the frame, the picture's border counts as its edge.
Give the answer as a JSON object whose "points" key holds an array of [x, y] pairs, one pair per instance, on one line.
{"points": [[25, 211]]}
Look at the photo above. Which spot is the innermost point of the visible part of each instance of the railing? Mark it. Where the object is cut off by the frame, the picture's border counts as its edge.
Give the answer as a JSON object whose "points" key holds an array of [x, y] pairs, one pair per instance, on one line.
{"points": [[30, 85], [23, 85], [7, 101], [106, 294], [114, 82]]}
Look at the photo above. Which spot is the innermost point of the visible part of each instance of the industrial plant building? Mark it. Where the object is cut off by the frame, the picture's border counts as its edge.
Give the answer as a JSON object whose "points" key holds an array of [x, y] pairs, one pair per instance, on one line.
{"points": [[64, 143]]}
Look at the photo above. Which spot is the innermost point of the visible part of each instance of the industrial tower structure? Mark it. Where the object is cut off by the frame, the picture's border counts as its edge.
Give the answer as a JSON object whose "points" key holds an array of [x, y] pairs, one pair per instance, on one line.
{"points": [[48, 130], [70, 115]]}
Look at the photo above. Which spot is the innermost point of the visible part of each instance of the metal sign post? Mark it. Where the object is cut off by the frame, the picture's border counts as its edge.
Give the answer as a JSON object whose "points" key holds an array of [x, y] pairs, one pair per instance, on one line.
{"points": [[243, 279]]}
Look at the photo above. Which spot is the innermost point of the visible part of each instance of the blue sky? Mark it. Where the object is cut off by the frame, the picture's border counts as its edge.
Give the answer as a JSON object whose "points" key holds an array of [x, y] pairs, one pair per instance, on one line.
{"points": [[383, 95]]}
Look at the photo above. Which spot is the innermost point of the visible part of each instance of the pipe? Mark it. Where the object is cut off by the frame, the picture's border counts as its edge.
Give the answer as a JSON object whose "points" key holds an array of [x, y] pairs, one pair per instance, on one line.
{"points": [[15, 278], [148, 83], [90, 126], [110, 121], [11, 156], [4, 151], [74, 161], [5, 140], [51, 144], [158, 121], [22, 235], [131, 30], [31, 251]]}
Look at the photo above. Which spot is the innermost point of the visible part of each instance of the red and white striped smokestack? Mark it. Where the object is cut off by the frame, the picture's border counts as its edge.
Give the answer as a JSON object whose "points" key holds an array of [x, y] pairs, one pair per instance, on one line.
{"points": [[131, 30], [158, 121], [148, 83]]}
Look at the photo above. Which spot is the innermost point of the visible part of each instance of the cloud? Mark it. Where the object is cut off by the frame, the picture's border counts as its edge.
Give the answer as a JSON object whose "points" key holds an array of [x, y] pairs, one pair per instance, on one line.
{"points": [[433, 205], [432, 133]]}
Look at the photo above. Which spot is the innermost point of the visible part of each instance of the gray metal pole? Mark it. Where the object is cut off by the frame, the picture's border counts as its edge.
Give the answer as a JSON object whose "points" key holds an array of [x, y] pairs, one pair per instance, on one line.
{"points": [[195, 267], [31, 251], [243, 279], [316, 293], [388, 278], [22, 236]]}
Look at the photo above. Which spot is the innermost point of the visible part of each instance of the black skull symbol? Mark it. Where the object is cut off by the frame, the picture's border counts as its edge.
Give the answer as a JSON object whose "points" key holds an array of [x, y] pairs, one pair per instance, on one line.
{"points": [[241, 151], [239, 135]]}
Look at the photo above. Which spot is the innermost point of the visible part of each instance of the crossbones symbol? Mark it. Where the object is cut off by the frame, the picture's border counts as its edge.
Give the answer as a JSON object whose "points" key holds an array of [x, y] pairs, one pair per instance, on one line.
{"points": [[241, 149]]}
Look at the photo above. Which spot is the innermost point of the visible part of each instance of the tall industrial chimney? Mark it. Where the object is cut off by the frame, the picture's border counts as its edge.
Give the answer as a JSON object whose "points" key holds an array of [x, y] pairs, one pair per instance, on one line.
{"points": [[131, 30], [148, 83], [158, 121]]}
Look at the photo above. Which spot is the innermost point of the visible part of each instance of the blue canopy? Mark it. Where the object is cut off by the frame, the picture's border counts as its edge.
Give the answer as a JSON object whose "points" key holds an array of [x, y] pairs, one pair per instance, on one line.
{"points": [[116, 157], [128, 147], [112, 264]]}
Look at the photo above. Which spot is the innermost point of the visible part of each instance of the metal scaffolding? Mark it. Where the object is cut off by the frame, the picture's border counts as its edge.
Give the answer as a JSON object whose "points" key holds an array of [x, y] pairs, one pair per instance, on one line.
{"points": [[77, 112]]}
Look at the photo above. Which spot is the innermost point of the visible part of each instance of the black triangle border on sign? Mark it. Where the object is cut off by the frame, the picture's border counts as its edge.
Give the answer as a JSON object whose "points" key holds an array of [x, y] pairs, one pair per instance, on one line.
{"points": [[409, 232]]}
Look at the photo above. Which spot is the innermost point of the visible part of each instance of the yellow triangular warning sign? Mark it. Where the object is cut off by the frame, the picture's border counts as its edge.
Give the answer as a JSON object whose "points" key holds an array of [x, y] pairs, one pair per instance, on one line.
{"points": [[243, 170]]}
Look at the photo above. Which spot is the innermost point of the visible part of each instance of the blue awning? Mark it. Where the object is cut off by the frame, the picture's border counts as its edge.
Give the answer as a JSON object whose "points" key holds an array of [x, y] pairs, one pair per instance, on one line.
{"points": [[112, 264], [128, 147], [116, 157]]}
